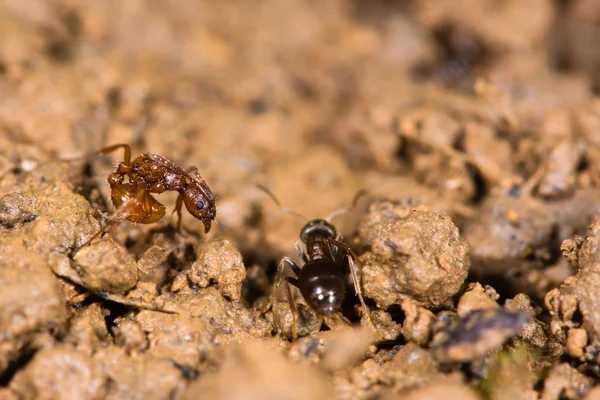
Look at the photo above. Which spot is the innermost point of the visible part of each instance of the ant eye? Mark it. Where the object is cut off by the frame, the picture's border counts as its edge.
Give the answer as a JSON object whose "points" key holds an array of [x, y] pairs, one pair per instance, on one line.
{"points": [[199, 204]]}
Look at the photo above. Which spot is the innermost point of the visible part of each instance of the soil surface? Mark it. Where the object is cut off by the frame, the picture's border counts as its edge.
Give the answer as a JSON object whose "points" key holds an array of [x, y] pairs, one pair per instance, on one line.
{"points": [[474, 127]]}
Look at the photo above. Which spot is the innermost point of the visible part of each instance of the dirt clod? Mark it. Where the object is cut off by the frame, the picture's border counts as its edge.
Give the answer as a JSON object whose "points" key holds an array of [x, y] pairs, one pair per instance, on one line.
{"points": [[308, 321], [565, 382], [60, 373], [106, 266], [439, 391], [475, 298], [16, 209], [418, 323], [258, 371], [220, 262], [419, 257], [31, 302], [573, 306]]}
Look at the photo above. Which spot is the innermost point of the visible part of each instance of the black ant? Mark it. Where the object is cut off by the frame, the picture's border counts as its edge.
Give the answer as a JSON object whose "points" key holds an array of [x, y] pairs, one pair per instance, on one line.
{"points": [[321, 279], [151, 173]]}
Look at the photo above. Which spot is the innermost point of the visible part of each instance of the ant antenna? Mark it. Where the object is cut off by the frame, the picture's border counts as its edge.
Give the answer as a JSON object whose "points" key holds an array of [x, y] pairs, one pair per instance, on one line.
{"points": [[342, 211], [199, 178], [106, 150], [284, 209]]}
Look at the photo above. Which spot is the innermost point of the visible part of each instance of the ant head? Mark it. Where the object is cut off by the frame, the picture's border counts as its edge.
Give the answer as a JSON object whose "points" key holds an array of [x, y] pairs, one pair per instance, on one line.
{"points": [[317, 227], [200, 202]]}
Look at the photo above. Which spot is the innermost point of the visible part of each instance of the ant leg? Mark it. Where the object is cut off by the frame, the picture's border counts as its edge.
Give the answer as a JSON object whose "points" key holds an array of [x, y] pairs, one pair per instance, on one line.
{"points": [[106, 150], [344, 246], [301, 252], [357, 283], [360, 296], [279, 278], [177, 210], [288, 290], [126, 153], [90, 240]]}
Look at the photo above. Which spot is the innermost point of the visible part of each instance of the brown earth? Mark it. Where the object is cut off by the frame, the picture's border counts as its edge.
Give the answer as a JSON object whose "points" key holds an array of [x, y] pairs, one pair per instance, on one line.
{"points": [[473, 125]]}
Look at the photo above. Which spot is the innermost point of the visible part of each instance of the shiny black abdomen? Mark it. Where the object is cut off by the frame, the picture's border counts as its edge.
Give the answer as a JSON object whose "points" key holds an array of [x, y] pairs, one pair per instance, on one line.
{"points": [[321, 283]]}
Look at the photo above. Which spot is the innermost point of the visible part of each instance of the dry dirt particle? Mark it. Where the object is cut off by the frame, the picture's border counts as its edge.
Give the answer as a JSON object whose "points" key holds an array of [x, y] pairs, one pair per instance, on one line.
{"points": [[509, 232], [385, 325], [256, 371], [593, 394], [336, 351], [60, 373], [418, 323], [475, 298], [202, 320], [307, 320], [534, 330], [138, 377], [87, 328], [106, 266], [577, 338], [420, 257], [221, 262], [39, 221], [575, 303], [589, 253], [439, 391], [509, 375], [183, 339], [565, 382], [15, 208], [412, 367], [347, 347], [129, 335], [31, 301], [54, 219]]}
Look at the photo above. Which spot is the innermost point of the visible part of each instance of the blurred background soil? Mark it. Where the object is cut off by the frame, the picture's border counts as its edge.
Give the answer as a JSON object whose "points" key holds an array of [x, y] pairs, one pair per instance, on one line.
{"points": [[474, 126]]}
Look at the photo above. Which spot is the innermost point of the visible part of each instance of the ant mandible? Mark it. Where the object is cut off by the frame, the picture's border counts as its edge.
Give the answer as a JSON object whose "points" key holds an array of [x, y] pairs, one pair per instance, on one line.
{"points": [[322, 278], [151, 173]]}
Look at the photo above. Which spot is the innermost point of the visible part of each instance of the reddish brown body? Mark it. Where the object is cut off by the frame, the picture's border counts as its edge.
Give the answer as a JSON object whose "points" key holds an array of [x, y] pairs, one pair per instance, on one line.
{"points": [[152, 173], [134, 183]]}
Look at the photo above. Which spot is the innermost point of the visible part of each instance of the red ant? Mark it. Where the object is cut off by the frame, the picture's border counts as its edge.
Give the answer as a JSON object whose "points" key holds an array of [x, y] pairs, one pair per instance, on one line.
{"points": [[322, 279], [151, 173]]}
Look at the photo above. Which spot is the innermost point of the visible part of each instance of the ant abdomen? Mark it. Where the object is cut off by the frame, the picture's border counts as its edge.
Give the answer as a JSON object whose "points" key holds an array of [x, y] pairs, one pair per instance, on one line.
{"points": [[147, 212], [322, 286]]}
